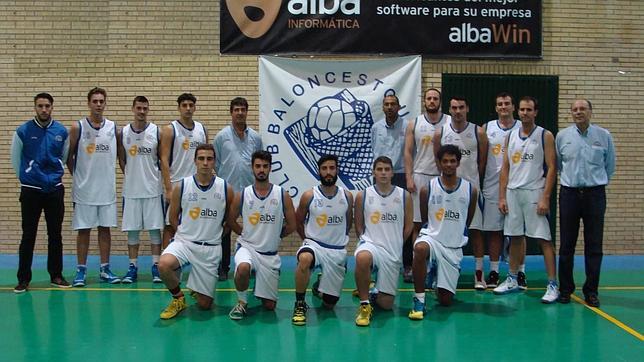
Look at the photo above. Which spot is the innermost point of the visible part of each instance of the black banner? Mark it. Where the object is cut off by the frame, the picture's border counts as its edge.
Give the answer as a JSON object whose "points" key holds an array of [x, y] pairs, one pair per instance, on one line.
{"points": [[435, 28]]}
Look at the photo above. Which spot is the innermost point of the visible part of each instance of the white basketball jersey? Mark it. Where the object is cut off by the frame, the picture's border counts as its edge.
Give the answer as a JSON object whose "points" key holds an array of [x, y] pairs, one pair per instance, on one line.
{"points": [[202, 210], [424, 139], [468, 141], [447, 213], [142, 174], [326, 220], [183, 149], [263, 219], [94, 179], [384, 219], [526, 157], [496, 135]]}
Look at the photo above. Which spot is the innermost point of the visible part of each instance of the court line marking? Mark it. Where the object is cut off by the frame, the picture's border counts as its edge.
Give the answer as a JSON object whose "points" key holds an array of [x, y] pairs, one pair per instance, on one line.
{"points": [[609, 318]]}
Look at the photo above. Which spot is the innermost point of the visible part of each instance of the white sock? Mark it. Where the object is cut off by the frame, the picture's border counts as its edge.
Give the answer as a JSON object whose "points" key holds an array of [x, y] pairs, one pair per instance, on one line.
{"points": [[242, 296], [420, 297], [155, 259], [522, 268], [103, 265], [479, 263], [494, 266], [364, 301], [133, 261]]}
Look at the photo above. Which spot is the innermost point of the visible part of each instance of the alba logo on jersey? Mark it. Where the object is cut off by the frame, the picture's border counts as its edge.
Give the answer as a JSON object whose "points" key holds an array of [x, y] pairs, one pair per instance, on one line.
{"points": [[324, 220], [140, 150], [257, 218], [189, 145], [426, 141], [197, 212], [518, 157], [497, 149], [98, 148], [386, 217], [443, 214]]}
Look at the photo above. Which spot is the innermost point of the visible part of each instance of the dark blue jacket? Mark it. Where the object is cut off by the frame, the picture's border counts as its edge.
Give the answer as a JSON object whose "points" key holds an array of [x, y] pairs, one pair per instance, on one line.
{"points": [[41, 161]]}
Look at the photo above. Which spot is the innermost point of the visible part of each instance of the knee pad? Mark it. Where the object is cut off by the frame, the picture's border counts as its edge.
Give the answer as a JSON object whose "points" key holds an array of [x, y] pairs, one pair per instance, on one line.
{"points": [[133, 237], [155, 237]]}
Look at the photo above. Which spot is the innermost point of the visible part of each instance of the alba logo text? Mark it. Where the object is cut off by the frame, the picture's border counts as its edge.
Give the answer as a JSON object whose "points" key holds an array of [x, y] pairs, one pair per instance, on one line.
{"points": [[324, 7], [257, 218], [139, 150], [378, 217]]}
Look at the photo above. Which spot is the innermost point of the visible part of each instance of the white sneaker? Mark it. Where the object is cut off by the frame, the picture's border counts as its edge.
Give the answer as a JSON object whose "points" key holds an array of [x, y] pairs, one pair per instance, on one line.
{"points": [[552, 294], [479, 281], [509, 285]]}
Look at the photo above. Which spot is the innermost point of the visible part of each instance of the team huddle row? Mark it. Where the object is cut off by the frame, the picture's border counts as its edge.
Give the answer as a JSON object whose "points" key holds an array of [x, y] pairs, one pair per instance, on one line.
{"points": [[427, 175]]}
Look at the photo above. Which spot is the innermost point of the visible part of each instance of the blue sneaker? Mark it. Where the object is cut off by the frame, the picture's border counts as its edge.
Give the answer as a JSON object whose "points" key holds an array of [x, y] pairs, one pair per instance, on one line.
{"points": [[79, 279], [106, 275], [156, 277], [132, 274], [418, 311]]}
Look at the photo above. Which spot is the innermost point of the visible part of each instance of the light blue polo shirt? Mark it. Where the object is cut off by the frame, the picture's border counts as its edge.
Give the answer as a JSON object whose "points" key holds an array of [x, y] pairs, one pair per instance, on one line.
{"points": [[233, 156], [390, 142]]}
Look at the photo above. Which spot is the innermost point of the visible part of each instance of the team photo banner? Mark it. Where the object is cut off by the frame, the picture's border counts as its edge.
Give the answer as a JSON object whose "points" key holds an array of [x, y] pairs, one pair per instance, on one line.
{"points": [[312, 108], [435, 28]]}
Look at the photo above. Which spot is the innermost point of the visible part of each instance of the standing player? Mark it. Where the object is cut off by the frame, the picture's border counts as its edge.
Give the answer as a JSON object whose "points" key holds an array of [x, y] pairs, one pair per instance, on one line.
{"points": [[265, 208], [496, 132], [38, 150], [324, 218], [448, 206], [179, 140], [420, 166], [472, 141], [524, 194], [234, 145], [138, 154], [92, 165], [198, 210], [384, 219]]}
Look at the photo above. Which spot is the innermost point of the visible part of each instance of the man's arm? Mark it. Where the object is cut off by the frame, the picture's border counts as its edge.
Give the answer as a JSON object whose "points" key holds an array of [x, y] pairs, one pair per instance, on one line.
{"points": [[437, 145], [230, 199], [349, 215], [234, 214], [358, 215], [610, 157], [289, 215], [175, 206], [543, 206], [120, 150], [482, 154], [74, 132], [472, 208], [16, 153], [302, 211], [165, 145], [409, 216], [409, 156], [503, 179]]}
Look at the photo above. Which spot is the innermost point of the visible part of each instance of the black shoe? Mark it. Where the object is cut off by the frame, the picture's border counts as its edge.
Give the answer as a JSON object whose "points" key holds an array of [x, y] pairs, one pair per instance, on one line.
{"points": [[492, 280], [60, 282], [521, 280], [223, 276], [564, 298], [21, 287], [592, 300]]}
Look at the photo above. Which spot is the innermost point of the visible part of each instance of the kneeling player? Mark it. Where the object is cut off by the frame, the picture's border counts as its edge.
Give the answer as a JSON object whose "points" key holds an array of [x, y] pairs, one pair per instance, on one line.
{"points": [[202, 201], [324, 218], [384, 218], [447, 206]]}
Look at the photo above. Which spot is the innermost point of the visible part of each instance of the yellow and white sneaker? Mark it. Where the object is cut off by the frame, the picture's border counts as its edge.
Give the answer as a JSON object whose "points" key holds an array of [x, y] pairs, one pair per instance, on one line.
{"points": [[363, 318], [175, 307]]}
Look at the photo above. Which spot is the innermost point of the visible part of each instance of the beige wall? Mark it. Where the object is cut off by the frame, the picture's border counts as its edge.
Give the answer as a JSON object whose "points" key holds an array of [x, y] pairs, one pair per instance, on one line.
{"points": [[160, 49]]}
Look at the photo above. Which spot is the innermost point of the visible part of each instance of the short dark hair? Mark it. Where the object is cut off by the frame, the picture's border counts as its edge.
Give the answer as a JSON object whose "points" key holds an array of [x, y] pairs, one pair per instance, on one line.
{"points": [[459, 98], [449, 150], [383, 159], [96, 90], [504, 95], [262, 155], [530, 99], [44, 95], [238, 101], [140, 99], [186, 97], [440, 95], [387, 95], [205, 146], [325, 158]]}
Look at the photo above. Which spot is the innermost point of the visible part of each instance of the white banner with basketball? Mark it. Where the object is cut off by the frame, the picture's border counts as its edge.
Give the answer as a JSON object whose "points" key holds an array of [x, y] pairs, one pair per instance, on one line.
{"points": [[312, 108]]}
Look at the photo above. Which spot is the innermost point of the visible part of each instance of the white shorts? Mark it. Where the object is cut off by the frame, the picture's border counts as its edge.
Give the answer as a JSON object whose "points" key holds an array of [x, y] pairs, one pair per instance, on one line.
{"points": [[522, 218], [267, 271], [91, 216], [204, 260], [447, 262], [332, 262], [492, 216], [477, 220], [142, 214], [387, 265], [420, 180]]}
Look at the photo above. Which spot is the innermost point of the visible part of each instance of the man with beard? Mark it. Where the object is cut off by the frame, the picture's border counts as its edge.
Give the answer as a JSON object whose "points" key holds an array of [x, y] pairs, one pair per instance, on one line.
{"points": [[265, 208], [324, 217], [420, 166]]}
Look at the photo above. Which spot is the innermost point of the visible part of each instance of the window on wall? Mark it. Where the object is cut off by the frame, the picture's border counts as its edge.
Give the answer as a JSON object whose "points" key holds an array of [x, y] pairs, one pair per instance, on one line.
{"points": [[480, 91]]}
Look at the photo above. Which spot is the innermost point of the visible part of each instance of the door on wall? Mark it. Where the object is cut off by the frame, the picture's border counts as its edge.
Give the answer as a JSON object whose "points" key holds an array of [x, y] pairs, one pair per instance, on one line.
{"points": [[480, 91]]}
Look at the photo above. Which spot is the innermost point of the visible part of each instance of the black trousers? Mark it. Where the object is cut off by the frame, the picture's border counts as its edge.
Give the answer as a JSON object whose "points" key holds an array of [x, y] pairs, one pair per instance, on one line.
{"points": [[32, 203], [224, 266], [589, 205]]}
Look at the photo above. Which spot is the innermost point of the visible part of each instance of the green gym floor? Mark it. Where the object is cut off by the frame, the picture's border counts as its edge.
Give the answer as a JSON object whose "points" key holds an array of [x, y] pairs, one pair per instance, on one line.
{"points": [[121, 322]]}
